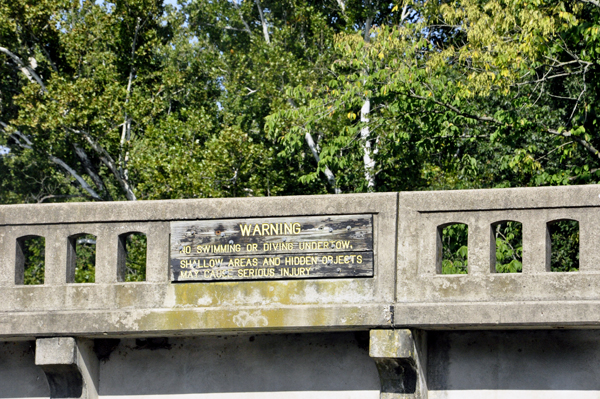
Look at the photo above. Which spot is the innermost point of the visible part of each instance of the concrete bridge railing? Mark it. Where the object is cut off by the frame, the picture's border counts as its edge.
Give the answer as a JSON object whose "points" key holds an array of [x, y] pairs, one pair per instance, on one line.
{"points": [[535, 297], [406, 290]]}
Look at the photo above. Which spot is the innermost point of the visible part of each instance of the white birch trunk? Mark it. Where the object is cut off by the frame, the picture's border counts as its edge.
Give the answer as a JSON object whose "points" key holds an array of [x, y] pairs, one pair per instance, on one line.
{"points": [[263, 22], [365, 133]]}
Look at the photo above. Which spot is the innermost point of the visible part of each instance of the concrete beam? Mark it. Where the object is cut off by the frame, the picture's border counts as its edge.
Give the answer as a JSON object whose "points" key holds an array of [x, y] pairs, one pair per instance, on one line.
{"points": [[70, 365], [398, 362]]}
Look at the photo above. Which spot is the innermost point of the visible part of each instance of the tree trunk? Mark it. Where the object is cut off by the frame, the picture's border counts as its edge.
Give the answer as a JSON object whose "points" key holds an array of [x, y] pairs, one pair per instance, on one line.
{"points": [[328, 173], [365, 131], [368, 161], [263, 22]]}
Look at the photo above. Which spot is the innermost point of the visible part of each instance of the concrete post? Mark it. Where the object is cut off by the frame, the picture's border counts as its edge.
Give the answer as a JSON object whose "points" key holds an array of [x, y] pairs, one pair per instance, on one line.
{"points": [[589, 236], [7, 258], [157, 258], [398, 360], [481, 258], [57, 250], [70, 365], [107, 253], [536, 246]]}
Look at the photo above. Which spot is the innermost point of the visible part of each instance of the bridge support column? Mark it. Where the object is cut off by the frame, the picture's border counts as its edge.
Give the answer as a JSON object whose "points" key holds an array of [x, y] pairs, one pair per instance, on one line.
{"points": [[400, 359], [70, 365]]}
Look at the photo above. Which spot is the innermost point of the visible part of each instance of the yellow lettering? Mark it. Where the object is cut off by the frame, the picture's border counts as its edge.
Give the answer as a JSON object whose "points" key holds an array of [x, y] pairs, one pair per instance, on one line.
{"points": [[265, 229], [186, 250], [358, 258], [274, 229], [245, 229], [297, 227], [256, 230]]}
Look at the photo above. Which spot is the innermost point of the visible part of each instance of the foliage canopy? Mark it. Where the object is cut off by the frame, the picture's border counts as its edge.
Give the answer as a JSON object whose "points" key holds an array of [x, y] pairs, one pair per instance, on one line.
{"points": [[135, 99]]}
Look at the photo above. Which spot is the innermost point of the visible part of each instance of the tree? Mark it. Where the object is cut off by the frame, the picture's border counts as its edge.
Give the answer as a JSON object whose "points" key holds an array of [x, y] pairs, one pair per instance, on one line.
{"points": [[264, 46], [133, 99], [468, 94], [84, 81]]}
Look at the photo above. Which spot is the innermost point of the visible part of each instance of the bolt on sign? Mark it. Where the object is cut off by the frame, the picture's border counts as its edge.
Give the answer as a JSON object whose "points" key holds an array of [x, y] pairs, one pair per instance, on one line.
{"points": [[272, 248]]}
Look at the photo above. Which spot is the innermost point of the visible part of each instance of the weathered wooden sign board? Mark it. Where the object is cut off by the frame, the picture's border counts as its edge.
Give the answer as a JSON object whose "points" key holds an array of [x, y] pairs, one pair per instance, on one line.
{"points": [[272, 248]]}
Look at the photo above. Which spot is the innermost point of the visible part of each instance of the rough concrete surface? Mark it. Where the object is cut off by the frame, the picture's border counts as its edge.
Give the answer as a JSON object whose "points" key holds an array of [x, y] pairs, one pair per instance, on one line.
{"points": [[406, 290], [19, 376], [514, 364], [276, 366], [156, 339]]}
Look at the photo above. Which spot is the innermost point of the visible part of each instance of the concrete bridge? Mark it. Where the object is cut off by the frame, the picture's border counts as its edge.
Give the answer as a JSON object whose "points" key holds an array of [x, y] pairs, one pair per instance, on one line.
{"points": [[405, 331]]}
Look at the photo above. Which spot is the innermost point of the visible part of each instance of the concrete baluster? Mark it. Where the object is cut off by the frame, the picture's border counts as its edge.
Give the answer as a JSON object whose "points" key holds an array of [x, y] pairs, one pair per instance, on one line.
{"points": [[58, 253], [589, 240], [107, 252], [481, 258], [157, 258], [536, 246], [7, 257]]}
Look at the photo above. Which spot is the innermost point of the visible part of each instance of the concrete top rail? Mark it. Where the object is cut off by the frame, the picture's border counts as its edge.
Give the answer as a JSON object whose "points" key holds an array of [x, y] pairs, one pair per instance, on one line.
{"points": [[406, 290]]}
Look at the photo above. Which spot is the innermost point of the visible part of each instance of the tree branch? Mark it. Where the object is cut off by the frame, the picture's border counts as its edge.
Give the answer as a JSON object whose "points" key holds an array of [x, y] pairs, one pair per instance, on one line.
{"points": [[591, 171], [327, 171], [91, 171], [77, 177], [547, 78], [313, 148], [247, 28], [109, 162], [263, 22], [131, 74], [29, 145], [456, 110], [586, 144], [594, 2], [26, 69], [126, 130]]}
